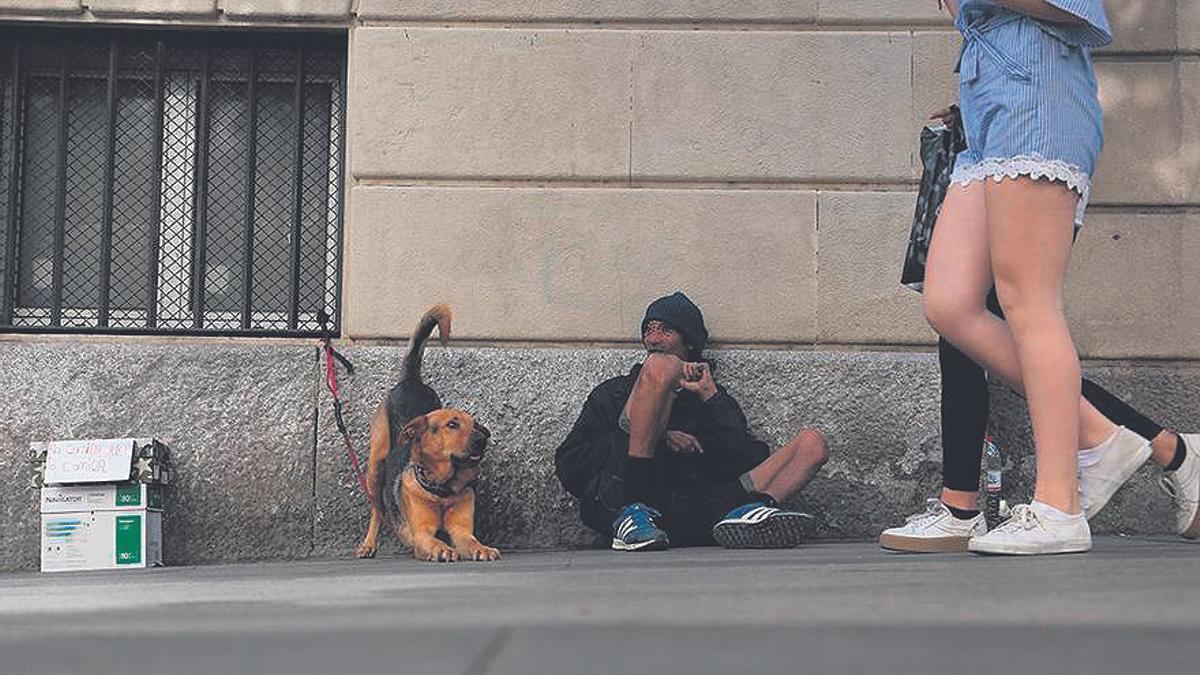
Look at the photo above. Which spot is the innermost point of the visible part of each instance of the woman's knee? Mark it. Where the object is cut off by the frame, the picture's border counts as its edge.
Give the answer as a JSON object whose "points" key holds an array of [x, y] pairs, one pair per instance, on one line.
{"points": [[1025, 304], [945, 311]]}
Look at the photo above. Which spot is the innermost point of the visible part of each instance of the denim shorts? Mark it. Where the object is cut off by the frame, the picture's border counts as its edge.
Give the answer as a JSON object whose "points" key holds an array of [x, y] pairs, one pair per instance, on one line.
{"points": [[1029, 104]]}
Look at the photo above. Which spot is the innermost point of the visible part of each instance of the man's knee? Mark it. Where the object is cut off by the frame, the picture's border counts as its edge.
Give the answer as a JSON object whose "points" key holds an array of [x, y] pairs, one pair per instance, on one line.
{"points": [[810, 446], [661, 371]]}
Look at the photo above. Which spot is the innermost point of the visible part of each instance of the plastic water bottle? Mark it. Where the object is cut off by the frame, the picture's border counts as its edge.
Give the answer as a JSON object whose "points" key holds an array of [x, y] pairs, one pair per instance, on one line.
{"points": [[993, 481]]}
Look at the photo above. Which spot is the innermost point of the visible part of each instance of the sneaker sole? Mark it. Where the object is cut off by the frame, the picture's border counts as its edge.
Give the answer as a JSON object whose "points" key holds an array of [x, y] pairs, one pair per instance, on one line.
{"points": [[899, 542], [1193, 532], [651, 545], [1057, 549], [778, 531], [1132, 463]]}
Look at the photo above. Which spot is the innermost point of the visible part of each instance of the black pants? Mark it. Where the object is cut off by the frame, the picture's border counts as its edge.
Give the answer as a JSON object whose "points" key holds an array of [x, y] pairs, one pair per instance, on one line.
{"points": [[965, 404], [690, 505]]}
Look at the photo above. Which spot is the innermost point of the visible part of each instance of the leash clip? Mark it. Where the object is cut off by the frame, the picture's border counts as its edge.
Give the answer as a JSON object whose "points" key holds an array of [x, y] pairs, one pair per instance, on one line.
{"points": [[327, 343]]}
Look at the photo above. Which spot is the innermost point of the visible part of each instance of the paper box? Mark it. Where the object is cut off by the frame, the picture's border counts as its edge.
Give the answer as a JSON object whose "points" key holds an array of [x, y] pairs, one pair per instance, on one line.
{"points": [[101, 540], [102, 497]]}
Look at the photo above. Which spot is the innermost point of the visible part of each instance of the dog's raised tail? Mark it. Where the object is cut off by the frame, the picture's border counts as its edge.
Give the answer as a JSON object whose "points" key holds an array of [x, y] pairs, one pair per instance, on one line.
{"points": [[439, 316]]}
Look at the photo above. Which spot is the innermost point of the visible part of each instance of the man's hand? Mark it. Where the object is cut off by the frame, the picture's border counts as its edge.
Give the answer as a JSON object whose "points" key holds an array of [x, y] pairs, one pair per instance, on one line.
{"points": [[697, 378], [944, 115], [683, 443], [1040, 9]]}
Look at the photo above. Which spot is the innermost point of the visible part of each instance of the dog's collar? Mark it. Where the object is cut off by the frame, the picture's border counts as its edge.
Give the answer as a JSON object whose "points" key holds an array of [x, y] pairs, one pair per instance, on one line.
{"points": [[434, 488]]}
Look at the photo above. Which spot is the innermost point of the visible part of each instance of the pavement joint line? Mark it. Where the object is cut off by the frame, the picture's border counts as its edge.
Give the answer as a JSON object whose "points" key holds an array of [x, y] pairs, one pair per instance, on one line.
{"points": [[483, 661]]}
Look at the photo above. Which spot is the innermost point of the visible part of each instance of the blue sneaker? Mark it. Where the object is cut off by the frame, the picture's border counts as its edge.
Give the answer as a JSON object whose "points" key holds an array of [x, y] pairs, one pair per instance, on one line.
{"points": [[756, 525], [635, 530]]}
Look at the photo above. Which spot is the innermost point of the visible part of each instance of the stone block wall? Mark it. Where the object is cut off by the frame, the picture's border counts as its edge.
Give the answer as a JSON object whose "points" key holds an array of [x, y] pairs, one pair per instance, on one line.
{"points": [[761, 155], [178, 10], [548, 168], [262, 472], [571, 160]]}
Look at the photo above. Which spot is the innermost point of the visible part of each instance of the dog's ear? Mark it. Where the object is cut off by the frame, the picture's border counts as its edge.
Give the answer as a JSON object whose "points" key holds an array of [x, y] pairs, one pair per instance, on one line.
{"points": [[415, 428]]}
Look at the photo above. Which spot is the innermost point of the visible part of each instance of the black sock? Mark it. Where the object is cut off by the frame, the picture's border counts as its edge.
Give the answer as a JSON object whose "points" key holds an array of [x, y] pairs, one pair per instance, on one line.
{"points": [[641, 482], [962, 514], [763, 497], [1180, 453]]}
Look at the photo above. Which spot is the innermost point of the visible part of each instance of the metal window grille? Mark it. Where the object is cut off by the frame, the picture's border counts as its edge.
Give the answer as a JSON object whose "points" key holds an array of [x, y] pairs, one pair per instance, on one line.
{"points": [[170, 182]]}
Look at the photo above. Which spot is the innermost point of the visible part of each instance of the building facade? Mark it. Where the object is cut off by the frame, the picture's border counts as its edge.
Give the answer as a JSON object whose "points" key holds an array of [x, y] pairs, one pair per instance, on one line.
{"points": [[547, 168]]}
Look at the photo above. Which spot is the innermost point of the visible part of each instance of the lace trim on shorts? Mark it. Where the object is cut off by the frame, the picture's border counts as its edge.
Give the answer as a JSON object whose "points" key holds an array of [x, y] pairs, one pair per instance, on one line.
{"points": [[1035, 167]]}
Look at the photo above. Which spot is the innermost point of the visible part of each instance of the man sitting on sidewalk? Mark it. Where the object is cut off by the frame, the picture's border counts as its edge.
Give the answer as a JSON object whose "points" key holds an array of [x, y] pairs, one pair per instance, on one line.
{"points": [[662, 455]]}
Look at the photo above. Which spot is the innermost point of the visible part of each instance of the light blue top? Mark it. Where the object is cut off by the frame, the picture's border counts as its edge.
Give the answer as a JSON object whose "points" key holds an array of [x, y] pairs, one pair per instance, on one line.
{"points": [[1095, 33]]}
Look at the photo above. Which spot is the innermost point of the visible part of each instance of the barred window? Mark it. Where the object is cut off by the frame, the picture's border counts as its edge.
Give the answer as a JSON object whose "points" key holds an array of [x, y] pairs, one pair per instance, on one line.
{"points": [[175, 182]]}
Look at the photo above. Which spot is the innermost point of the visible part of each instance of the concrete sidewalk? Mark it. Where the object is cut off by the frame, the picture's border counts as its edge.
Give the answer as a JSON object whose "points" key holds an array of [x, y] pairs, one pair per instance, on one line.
{"points": [[1131, 605]]}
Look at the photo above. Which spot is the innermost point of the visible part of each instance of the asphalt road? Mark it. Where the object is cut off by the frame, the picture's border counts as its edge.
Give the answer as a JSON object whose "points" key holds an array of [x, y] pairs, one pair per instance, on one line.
{"points": [[1132, 605]]}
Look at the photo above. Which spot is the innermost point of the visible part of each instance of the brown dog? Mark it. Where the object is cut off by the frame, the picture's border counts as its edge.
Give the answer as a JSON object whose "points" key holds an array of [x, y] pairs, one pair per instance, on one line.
{"points": [[423, 464]]}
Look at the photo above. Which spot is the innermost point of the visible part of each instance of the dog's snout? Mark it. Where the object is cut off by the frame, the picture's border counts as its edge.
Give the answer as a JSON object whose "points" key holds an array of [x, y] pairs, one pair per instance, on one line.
{"points": [[479, 439], [481, 432]]}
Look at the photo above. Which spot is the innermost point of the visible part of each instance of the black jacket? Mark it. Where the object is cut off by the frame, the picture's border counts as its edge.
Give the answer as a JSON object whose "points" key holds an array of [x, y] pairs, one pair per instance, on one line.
{"points": [[718, 423]]}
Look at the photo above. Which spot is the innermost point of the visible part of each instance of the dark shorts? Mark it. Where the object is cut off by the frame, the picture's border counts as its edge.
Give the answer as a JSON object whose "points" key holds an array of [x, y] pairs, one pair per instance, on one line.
{"points": [[690, 507]]}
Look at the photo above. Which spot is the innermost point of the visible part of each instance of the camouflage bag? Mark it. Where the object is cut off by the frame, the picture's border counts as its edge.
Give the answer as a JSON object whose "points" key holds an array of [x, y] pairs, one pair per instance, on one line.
{"points": [[151, 462], [940, 145]]}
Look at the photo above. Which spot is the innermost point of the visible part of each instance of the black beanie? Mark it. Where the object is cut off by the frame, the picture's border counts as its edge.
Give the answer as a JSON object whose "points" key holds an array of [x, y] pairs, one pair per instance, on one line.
{"points": [[684, 316]]}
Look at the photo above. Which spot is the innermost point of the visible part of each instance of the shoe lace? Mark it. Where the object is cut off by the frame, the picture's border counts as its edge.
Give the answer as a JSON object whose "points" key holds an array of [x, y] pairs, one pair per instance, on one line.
{"points": [[644, 515], [933, 509], [1023, 518], [1168, 486]]}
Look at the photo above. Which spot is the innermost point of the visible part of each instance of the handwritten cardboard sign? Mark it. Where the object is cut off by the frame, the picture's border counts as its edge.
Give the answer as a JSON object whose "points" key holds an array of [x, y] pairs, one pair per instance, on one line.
{"points": [[89, 461]]}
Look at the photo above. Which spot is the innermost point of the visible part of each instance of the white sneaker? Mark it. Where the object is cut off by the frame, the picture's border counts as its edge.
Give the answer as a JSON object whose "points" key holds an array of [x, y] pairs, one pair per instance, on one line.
{"points": [[935, 530], [1029, 533], [1103, 470], [1183, 485]]}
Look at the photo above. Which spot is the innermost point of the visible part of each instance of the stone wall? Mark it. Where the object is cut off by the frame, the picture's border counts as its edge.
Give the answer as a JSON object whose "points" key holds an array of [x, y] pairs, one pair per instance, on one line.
{"points": [[573, 161], [262, 472], [549, 167], [179, 11]]}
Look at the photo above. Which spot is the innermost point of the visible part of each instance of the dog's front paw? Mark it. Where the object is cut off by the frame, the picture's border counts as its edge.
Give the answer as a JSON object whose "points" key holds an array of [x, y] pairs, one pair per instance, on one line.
{"points": [[365, 550], [480, 552], [487, 553], [441, 553]]}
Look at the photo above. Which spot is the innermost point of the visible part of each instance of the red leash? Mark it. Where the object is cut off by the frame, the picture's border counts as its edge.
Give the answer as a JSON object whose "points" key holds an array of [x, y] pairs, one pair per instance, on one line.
{"points": [[332, 384], [331, 355]]}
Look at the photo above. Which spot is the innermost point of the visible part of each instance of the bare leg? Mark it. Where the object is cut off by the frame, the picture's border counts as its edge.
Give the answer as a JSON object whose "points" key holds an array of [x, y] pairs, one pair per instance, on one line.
{"points": [[1029, 237], [792, 466], [1163, 447], [781, 475], [649, 405], [960, 499], [957, 280]]}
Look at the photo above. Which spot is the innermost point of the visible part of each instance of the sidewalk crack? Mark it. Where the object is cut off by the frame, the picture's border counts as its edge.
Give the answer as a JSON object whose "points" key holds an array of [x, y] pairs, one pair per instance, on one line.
{"points": [[487, 656]]}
